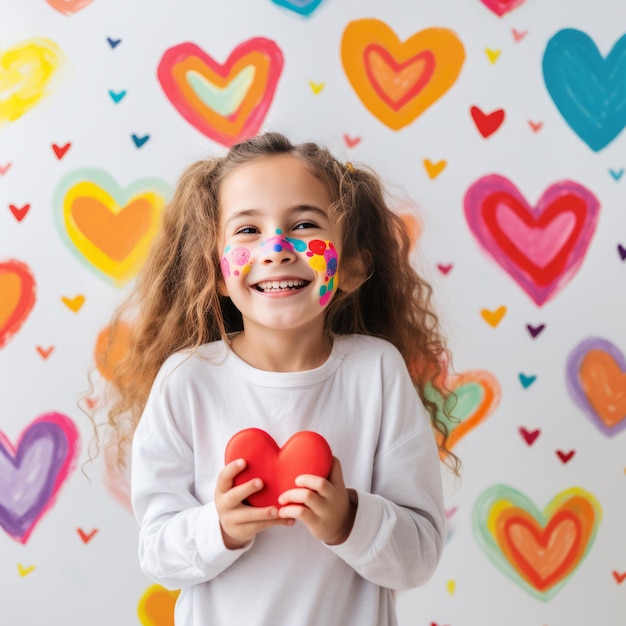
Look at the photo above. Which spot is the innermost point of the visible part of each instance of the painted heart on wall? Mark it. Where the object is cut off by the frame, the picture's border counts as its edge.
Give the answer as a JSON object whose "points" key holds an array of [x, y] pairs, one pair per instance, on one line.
{"points": [[596, 380], [107, 227], [301, 7], [156, 606], [33, 471], [228, 102], [500, 7], [541, 247], [476, 394], [397, 81], [306, 452], [588, 90], [538, 550], [68, 7], [30, 73], [17, 286]]}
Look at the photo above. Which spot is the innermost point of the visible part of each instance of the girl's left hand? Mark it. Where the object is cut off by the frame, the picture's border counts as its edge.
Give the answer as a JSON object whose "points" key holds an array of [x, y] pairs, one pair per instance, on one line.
{"points": [[326, 507]]}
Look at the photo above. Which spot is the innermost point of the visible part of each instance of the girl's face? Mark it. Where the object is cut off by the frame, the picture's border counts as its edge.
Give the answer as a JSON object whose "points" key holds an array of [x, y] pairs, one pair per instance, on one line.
{"points": [[280, 249]]}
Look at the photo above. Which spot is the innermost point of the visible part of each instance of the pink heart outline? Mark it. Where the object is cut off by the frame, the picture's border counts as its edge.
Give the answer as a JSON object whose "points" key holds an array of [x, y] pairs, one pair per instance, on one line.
{"points": [[54, 439], [490, 193]]}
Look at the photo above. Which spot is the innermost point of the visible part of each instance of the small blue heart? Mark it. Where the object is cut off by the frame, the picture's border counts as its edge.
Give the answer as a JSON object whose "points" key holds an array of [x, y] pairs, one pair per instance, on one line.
{"points": [[301, 7], [114, 42], [139, 141], [526, 381], [588, 90], [117, 96], [616, 174]]}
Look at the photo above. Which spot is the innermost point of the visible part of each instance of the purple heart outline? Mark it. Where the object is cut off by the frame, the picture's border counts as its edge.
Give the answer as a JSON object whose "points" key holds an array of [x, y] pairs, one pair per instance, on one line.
{"points": [[575, 386], [491, 193], [32, 473]]}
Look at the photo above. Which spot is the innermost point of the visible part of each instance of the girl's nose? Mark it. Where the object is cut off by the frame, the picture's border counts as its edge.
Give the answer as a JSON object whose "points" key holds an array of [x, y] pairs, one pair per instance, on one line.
{"points": [[276, 250]]}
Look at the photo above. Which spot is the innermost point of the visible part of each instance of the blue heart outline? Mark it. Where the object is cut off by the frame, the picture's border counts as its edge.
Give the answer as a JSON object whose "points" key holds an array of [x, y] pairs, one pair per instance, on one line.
{"points": [[301, 7], [588, 90]]}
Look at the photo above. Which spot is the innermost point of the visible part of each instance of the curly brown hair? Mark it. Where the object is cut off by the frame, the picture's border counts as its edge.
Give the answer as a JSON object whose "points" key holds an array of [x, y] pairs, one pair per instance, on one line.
{"points": [[176, 303]]}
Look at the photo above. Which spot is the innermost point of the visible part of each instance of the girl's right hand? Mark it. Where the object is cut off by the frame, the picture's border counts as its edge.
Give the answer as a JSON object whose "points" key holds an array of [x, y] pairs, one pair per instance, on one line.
{"points": [[240, 522]]}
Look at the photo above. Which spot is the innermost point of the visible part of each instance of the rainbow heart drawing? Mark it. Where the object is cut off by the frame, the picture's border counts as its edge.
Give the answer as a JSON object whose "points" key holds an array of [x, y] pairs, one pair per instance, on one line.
{"points": [[588, 90], [596, 380], [476, 394], [107, 227], [542, 247], [538, 550], [30, 73], [228, 102], [17, 286], [397, 81], [32, 472]]}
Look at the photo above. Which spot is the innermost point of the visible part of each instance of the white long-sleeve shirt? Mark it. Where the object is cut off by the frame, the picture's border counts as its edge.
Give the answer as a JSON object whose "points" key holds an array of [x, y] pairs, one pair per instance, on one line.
{"points": [[363, 402]]}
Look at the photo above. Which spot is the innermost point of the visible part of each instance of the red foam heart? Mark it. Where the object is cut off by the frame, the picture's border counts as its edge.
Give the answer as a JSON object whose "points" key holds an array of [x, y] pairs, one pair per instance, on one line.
{"points": [[306, 452]]}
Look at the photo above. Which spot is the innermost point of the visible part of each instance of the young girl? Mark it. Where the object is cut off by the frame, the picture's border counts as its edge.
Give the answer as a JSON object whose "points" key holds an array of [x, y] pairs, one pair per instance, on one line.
{"points": [[280, 295]]}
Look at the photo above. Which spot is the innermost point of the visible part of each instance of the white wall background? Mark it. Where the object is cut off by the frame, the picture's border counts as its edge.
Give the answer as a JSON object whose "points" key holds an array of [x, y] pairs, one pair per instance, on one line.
{"points": [[53, 576]]}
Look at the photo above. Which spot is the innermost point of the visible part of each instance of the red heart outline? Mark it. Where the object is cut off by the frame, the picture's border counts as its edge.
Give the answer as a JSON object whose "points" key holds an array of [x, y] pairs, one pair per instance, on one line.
{"points": [[306, 452], [488, 195]]}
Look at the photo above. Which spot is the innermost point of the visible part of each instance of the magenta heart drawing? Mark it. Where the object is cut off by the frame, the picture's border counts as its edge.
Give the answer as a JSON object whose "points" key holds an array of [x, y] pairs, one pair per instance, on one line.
{"points": [[32, 472], [541, 247]]}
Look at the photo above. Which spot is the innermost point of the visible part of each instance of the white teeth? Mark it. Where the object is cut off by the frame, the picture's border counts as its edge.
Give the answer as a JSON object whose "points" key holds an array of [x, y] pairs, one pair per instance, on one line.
{"points": [[279, 285]]}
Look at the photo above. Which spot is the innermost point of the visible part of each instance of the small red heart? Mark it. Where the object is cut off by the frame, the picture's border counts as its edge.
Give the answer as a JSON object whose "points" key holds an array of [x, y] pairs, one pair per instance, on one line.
{"points": [[305, 452], [565, 456], [529, 435], [487, 123]]}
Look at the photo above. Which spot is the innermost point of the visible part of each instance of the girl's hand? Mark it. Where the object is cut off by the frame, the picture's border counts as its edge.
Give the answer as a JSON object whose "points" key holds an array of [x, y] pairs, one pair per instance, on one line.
{"points": [[327, 507], [240, 522]]}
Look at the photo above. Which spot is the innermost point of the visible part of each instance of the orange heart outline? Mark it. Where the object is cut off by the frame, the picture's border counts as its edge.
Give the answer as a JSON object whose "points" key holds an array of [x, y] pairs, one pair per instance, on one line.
{"points": [[108, 228], [538, 550], [18, 297], [156, 606], [397, 81]]}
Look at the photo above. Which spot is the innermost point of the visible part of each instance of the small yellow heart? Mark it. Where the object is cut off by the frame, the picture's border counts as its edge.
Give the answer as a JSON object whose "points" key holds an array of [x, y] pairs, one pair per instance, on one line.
{"points": [[74, 304], [492, 55], [434, 169], [451, 586], [493, 318], [316, 87], [24, 571]]}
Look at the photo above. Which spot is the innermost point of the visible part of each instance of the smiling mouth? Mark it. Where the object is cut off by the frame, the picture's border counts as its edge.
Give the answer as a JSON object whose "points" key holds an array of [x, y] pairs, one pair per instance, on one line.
{"points": [[275, 286]]}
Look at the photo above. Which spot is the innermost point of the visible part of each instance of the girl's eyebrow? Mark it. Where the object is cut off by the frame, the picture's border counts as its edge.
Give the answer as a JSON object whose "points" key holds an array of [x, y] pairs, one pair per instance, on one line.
{"points": [[301, 208]]}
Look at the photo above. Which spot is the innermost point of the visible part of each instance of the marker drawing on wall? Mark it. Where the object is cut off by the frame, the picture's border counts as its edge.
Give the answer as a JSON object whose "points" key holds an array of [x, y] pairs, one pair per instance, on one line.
{"points": [[588, 90], [33, 471], [226, 102], [596, 380], [397, 81], [540, 247], [538, 550], [108, 228]]}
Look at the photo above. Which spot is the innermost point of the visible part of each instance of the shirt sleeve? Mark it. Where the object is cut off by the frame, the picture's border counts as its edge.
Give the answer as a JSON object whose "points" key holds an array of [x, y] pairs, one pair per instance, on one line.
{"points": [[180, 539], [399, 529]]}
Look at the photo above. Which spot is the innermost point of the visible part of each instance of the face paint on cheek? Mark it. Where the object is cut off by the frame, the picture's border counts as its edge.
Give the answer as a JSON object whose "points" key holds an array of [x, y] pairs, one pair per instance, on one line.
{"points": [[323, 258], [239, 257]]}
